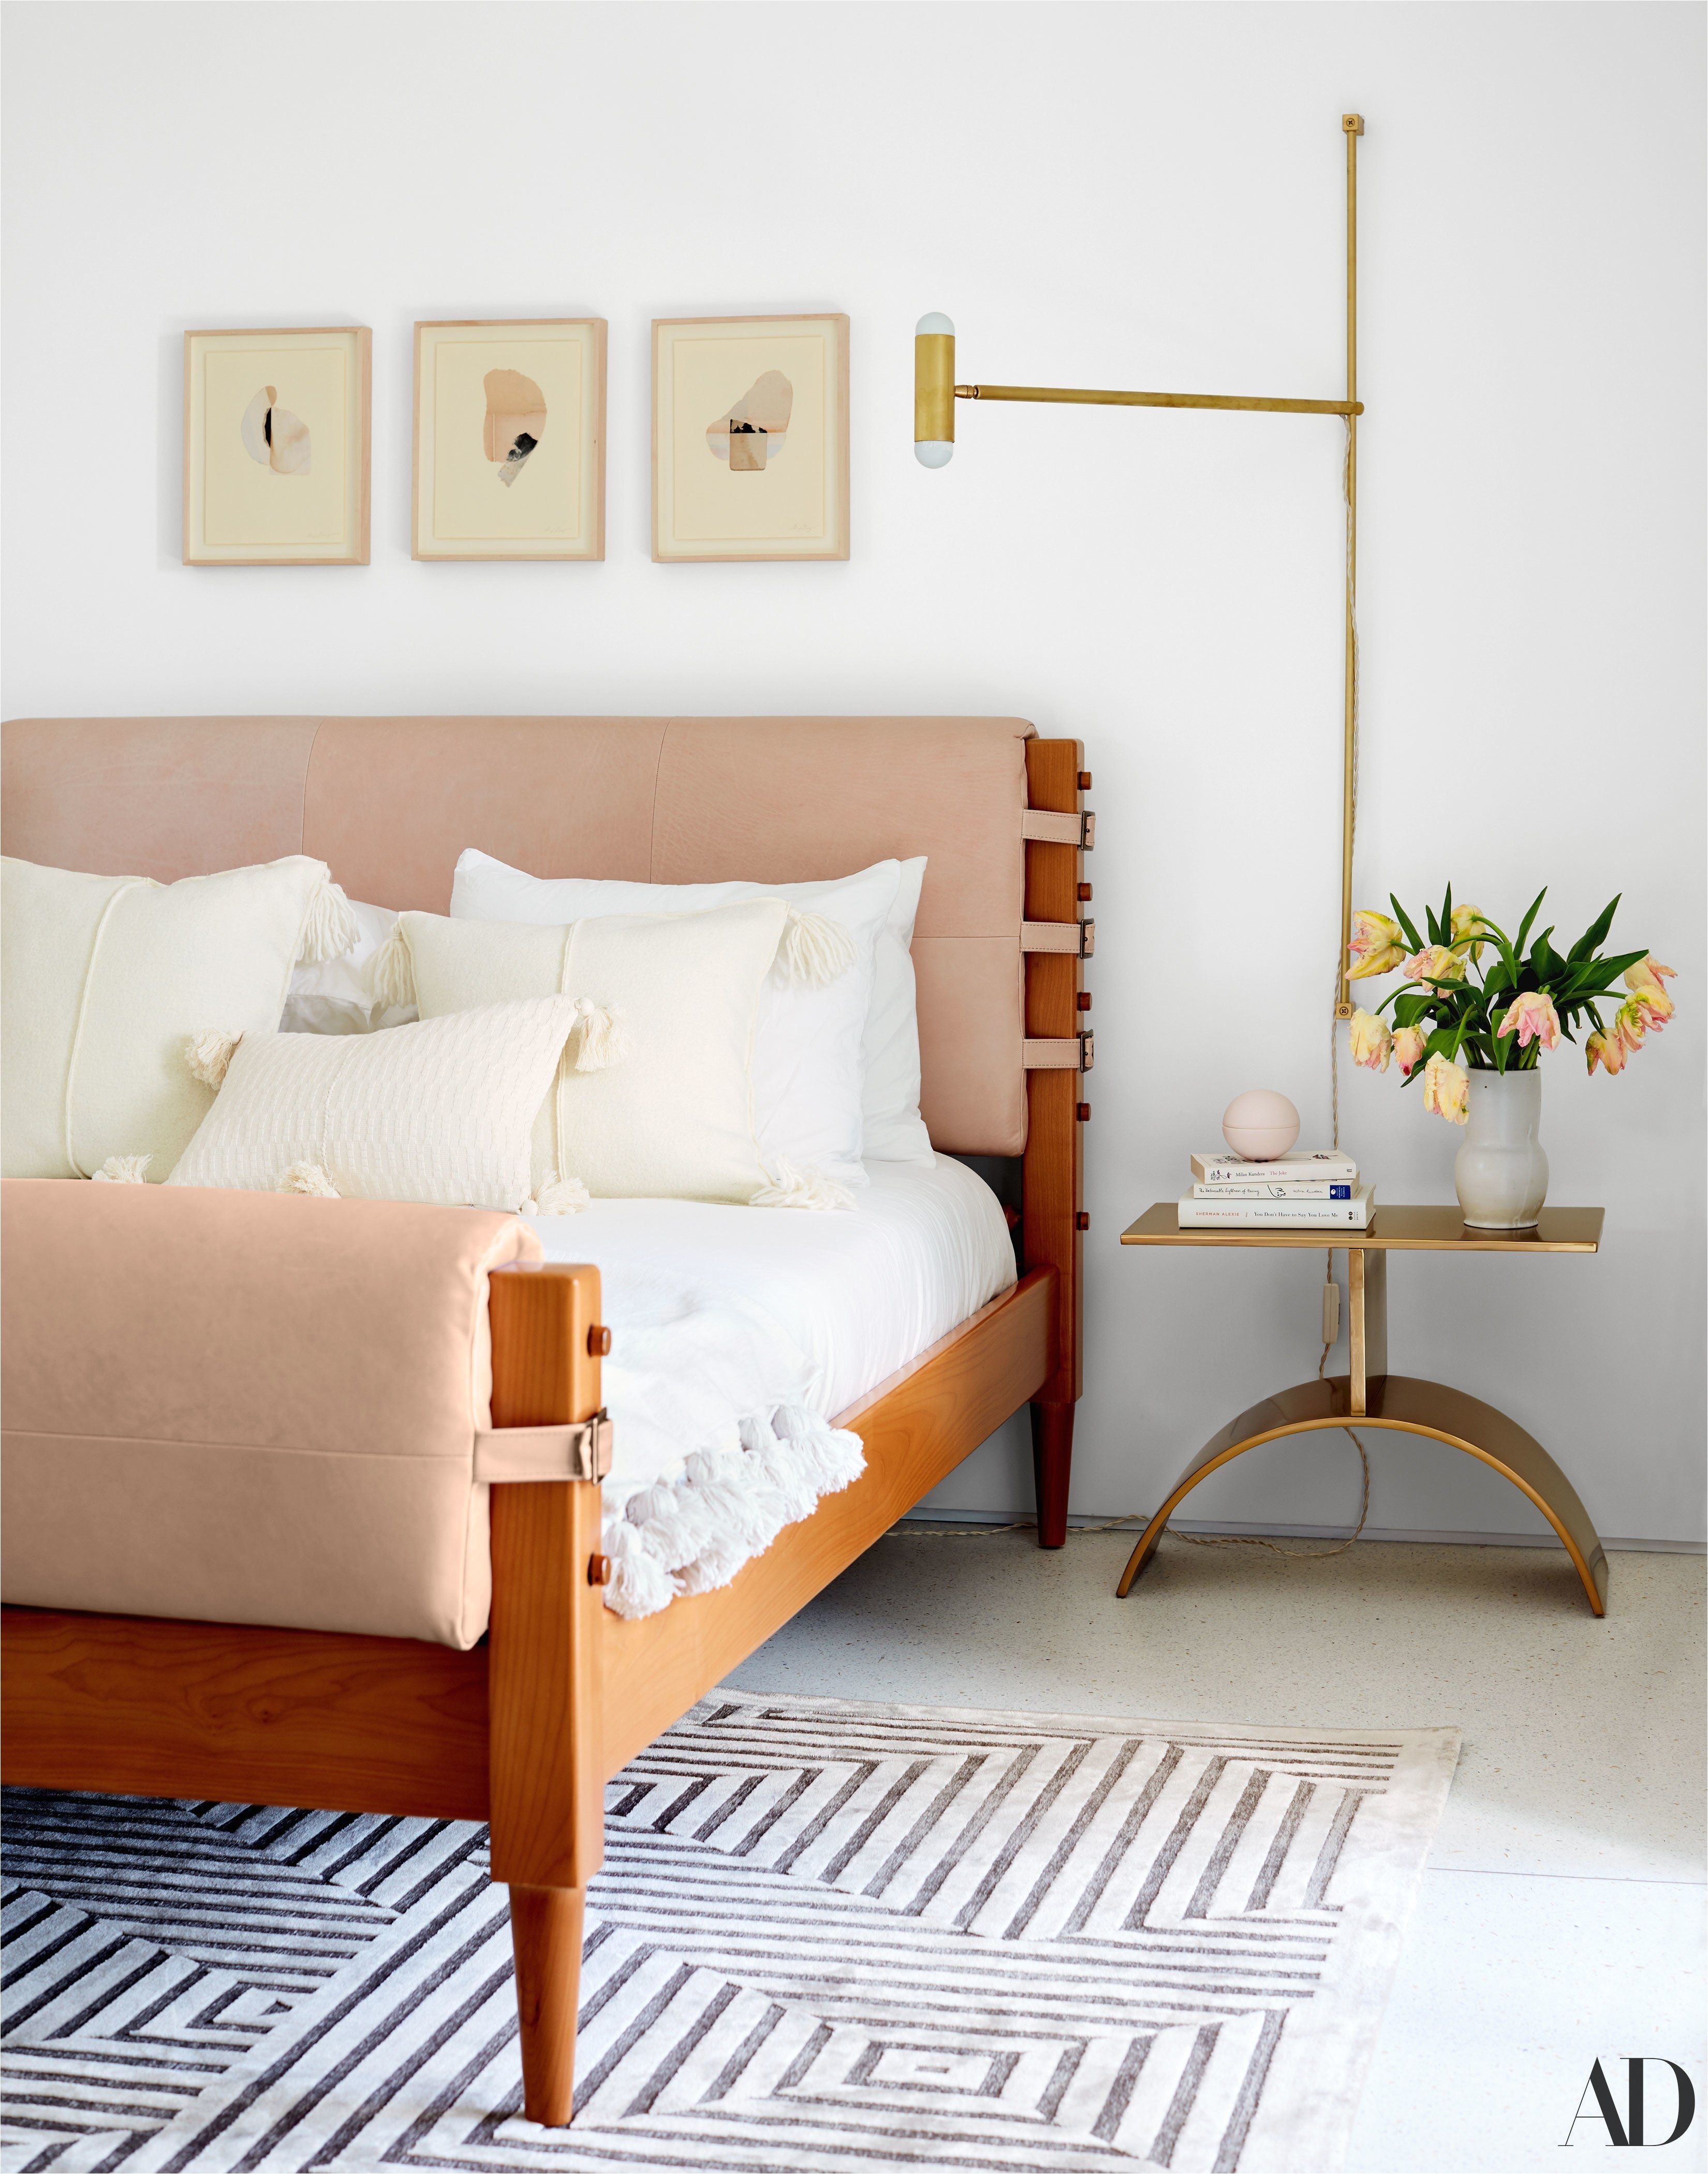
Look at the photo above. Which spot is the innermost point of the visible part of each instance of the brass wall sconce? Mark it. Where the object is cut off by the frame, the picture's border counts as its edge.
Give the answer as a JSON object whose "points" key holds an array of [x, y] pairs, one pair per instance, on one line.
{"points": [[935, 393]]}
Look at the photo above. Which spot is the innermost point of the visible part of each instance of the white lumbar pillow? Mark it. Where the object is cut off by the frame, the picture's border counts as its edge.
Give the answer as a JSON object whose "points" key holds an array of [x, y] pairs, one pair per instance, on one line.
{"points": [[104, 977], [835, 1068], [442, 1112], [653, 1099]]}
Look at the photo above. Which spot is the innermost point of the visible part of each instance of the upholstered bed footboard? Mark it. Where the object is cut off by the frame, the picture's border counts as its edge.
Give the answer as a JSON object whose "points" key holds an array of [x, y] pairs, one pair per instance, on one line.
{"points": [[248, 1408]]}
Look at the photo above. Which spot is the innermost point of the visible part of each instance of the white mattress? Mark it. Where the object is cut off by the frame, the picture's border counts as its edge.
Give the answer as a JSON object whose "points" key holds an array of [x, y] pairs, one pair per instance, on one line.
{"points": [[860, 1292]]}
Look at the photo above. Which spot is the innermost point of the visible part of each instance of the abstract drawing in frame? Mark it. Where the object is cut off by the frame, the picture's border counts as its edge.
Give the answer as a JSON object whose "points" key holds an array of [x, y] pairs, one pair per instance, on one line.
{"points": [[750, 438], [509, 439], [276, 461]]}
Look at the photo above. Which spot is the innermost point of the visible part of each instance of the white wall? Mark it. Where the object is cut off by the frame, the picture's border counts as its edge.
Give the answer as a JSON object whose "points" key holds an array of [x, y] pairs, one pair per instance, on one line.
{"points": [[1106, 195]]}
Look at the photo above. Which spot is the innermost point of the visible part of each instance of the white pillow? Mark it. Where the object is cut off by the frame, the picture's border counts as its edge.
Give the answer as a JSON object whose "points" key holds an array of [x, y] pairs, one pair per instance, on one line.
{"points": [[441, 1112], [894, 1131], [835, 1070], [105, 977], [336, 996], [671, 1115]]}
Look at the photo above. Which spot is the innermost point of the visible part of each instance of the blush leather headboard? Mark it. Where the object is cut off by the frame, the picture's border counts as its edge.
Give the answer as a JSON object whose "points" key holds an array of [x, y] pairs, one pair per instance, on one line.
{"points": [[389, 802]]}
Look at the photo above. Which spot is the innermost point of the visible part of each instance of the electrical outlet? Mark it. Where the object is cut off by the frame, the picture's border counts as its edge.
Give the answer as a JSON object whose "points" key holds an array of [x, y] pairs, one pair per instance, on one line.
{"points": [[1331, 1313]]}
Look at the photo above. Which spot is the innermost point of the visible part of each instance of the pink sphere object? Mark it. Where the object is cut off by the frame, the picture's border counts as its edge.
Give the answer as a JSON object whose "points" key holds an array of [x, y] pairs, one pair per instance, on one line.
{"points": [[1260, 1124]]}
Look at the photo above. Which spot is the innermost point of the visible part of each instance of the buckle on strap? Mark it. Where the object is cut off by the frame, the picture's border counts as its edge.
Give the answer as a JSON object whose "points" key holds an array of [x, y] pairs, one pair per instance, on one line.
{"points": [[1045, 826], [1073, 1053], [579, 1450], [1078, 938]]}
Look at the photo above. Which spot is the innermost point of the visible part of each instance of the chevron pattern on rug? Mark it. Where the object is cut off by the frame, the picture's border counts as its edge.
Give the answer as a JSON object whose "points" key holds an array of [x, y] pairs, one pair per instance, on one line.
{"points": [[829, 1939]]}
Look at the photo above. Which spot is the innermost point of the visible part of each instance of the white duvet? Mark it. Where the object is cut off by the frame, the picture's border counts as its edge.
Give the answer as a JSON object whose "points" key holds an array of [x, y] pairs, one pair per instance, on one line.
{"points": [[738, 1333]]}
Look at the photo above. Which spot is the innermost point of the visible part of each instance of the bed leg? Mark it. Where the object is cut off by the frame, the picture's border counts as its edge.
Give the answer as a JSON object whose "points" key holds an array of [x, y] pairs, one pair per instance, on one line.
{"points": [[544, 1669], [1052, 1464], [545, 1930]]}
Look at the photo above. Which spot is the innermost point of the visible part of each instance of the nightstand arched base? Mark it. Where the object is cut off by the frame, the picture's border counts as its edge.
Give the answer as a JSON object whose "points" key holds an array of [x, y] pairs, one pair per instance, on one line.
{"points": [[1405, 1406]]}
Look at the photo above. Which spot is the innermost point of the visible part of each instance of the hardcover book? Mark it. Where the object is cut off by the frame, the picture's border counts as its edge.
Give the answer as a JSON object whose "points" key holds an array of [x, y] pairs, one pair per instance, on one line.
{"points": [[1285, 1188], [1223, 1167], [1198, 1214]]}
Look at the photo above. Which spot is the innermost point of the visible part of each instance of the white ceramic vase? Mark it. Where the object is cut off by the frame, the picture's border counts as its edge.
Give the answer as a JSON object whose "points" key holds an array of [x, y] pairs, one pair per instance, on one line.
{"points": [[1500, 1172]]}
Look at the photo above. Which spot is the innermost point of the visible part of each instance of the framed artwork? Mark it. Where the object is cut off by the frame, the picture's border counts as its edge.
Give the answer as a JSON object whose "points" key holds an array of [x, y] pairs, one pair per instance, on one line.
{"points": [[276, 447], [509, 439], [750, 438]]}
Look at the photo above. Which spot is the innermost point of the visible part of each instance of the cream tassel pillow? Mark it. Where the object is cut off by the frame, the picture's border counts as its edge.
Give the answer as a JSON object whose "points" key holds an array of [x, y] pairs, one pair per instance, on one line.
{"points": [[104, 976], [654, 1096], [442, 1112]]}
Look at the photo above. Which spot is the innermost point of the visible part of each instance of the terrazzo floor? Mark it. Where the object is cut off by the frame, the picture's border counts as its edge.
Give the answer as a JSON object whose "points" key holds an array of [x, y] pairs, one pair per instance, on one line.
{"points": [[1561, 1919]]}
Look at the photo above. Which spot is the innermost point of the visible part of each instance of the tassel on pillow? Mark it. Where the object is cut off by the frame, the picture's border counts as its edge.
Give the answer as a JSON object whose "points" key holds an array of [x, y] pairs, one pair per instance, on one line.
{"points": [[123, 1170], [390, 972], [209, 1053], [331, 929], [308, 1177], [814, 950], [558, 1196], [791, 1187], [597, 1037]]}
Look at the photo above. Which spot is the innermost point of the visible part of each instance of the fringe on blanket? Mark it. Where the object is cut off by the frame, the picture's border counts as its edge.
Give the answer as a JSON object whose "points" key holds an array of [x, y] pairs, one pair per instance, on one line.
{"points": [[694, 1533]]}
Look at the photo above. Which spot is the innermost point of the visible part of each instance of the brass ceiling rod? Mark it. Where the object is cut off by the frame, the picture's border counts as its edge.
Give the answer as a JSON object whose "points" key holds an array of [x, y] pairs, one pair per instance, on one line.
{"points": [[935, 393]]}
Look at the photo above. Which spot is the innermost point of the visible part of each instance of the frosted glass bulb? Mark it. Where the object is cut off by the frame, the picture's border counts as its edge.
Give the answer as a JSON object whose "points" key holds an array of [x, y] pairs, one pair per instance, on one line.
{"points": [[933, 452], [935, 321]]}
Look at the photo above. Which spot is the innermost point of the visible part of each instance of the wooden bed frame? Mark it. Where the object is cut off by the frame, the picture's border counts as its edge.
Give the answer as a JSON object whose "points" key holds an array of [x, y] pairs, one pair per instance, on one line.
{"points": [[525, 1730]]}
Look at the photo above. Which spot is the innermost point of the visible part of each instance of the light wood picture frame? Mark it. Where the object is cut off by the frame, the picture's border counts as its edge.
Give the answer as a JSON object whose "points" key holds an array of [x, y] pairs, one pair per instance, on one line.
{"points": [[509, 439], [277, 429], [750, 438]]}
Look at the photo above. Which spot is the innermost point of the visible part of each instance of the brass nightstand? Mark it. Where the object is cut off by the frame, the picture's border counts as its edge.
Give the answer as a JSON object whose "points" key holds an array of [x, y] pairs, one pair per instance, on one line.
{"points": [[1373, 1396]]}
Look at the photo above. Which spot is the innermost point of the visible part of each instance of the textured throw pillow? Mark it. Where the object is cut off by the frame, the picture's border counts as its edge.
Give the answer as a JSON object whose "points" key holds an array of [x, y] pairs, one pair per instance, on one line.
{"points": [[653, 1098], [835, 1068], [105, 977], [336, 996], [442, 1112]]}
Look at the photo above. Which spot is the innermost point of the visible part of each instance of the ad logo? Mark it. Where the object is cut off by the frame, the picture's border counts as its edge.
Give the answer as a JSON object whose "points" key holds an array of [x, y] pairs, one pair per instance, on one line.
{"points": [[1630, 2129]]}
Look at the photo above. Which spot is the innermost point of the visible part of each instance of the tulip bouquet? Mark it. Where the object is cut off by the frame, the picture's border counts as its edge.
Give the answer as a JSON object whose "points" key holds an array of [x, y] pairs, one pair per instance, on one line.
{"points": [[1500, 1017]]}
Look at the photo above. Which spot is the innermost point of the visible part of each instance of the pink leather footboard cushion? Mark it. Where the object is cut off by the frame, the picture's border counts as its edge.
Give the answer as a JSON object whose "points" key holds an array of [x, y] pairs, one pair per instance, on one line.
{"points": [[248, 1407]]}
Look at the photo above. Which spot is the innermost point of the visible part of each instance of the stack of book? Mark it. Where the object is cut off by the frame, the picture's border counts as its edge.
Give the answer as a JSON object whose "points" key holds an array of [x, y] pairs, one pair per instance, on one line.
{"points": [[1315, 1191]]}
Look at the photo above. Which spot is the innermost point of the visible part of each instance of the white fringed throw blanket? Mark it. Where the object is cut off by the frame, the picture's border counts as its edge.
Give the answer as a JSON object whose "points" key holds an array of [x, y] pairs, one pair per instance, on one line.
{"points": [[717, 1445]]}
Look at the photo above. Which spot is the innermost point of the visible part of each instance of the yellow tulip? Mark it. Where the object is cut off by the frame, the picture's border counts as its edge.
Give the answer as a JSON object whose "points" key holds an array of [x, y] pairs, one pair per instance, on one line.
{"points": [[1371, 1042], [1647, 974], [1437, 962], [1377, 947], [1447, 1089], [1466, 930], [1644, 981]]}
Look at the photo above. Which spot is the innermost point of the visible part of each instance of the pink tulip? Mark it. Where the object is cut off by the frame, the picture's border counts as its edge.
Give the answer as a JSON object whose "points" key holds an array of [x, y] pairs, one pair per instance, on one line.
{"points": [[1630, 1025], [1533, 1018], [1606, 1050], [1371, 1042], [1447, 1089], [1409, 1043], [1437, 962], [1378, 945]]}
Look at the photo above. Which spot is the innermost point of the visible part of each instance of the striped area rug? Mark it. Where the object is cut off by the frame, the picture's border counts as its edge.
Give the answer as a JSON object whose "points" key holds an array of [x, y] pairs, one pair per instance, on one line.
{"points": [[829, 1939]]}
